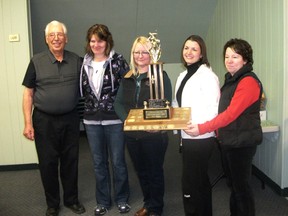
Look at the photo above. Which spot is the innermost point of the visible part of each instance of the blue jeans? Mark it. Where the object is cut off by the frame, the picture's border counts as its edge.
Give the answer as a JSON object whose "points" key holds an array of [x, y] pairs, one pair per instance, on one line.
{"points": [[148, 155], [104, 140]]}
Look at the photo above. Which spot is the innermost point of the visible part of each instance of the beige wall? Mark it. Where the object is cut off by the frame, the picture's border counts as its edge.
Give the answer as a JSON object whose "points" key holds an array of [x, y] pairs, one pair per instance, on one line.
{"points": [[285, 101], [14, 58], [261, 23]]}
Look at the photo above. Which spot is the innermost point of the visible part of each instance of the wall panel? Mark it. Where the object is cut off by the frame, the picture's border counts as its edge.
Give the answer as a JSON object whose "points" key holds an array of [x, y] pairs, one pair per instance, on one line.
{"points": [[285, 101], [15, 149], [260, 22], [173, 20]]}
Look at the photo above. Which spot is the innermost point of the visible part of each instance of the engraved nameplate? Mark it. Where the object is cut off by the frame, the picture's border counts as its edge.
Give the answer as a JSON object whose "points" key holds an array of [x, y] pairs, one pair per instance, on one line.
{"points": [[156, 113], [177, 120]]}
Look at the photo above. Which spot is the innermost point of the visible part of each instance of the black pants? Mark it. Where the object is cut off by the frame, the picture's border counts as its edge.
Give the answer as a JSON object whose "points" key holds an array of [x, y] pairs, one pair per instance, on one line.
{"points": [[237, 165], [148, 155], [57, 140], [196, 187]]}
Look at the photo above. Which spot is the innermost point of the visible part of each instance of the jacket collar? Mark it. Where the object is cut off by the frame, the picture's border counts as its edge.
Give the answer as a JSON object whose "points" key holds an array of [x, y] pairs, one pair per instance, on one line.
{"points": [[88, 59], [245, 69]]}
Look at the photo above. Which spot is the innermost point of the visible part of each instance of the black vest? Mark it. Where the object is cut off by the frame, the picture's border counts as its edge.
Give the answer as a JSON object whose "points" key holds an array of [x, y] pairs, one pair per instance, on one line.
{"points": [[246, 129], [129, 91]]}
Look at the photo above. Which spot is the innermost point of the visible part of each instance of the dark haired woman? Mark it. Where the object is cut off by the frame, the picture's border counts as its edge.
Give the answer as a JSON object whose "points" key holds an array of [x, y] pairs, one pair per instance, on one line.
{"points": [[238, 124], [197, 87], [100, 77]]}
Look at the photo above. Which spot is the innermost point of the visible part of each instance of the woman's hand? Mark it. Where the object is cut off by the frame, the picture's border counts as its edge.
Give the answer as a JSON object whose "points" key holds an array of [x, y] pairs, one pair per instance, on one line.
{"points": [[192, 129]]}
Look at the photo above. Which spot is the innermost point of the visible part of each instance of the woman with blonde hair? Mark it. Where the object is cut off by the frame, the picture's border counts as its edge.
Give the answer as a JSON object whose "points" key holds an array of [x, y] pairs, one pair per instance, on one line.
{"points": [[146, 148]]}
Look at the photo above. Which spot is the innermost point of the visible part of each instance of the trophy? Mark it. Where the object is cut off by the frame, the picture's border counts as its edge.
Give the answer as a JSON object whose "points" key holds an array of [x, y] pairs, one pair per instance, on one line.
{"points": [[157, 114], [157, 106]]}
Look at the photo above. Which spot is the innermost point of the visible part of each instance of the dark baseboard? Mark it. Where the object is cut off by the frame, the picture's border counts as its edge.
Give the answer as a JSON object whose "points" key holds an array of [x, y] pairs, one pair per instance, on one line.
{"points": [[18, 167], [266, 180]]}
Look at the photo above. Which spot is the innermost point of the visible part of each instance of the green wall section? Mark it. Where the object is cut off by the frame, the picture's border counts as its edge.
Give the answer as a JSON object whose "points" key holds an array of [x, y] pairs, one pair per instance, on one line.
{"points": [[261, 23], [14, 58]]}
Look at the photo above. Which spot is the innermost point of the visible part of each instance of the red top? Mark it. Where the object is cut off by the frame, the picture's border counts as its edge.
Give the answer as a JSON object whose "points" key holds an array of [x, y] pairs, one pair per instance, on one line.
{"points": [[246, 93]]}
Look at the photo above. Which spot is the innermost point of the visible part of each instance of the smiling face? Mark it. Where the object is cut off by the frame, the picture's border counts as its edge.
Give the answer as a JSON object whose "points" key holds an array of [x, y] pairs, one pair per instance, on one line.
{"points": [[191, 52], [233, 61], [56, 39], [141, 57], [98, 46]]}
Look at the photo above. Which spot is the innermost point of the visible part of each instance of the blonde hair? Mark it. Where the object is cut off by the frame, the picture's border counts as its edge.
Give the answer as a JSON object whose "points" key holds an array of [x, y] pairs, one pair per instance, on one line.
{"points": [[144, 42]]}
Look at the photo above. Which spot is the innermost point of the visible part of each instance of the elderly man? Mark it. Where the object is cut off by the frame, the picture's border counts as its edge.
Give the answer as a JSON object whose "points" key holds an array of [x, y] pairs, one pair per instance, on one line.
{"points": [[51, 91]]}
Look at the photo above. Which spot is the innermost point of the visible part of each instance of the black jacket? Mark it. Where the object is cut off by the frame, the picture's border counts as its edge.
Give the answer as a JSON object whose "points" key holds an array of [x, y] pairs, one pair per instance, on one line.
{"points": [[126, 98]]}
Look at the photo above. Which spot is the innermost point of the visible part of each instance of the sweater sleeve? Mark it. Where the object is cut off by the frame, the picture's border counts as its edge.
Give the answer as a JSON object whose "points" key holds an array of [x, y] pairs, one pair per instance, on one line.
{"points": [[124, 68], [118, 104], [246, 93]]}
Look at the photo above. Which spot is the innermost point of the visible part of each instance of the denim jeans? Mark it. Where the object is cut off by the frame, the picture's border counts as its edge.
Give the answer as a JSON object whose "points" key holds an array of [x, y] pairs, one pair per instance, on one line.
{"points": [[105, 141], [148, 155]]}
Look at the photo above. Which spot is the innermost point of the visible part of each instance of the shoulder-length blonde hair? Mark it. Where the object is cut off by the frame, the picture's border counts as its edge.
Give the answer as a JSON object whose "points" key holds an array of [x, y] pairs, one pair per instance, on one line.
{"points": [[144, 42]]}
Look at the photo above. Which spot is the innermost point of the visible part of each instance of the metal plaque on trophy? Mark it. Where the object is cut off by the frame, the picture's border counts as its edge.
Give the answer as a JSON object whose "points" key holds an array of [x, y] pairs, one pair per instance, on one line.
{"points": [[157, 113]]}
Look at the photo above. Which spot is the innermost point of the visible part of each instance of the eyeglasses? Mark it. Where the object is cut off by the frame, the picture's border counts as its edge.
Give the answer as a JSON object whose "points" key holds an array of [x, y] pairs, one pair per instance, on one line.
{"points": [[58, 34], [141, 53]]}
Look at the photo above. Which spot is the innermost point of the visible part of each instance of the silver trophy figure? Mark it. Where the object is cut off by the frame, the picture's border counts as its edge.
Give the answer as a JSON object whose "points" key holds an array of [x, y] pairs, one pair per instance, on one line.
{"points": [[156, 82], [155, 50]]}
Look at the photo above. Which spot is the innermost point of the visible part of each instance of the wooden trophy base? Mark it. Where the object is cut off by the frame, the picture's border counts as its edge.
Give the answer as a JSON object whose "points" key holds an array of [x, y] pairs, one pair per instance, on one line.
{"points": [[178, 120]]}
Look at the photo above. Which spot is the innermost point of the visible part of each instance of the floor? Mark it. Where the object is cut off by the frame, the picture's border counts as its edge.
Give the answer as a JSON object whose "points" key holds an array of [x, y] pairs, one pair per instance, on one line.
{"points": [[21, 192]]}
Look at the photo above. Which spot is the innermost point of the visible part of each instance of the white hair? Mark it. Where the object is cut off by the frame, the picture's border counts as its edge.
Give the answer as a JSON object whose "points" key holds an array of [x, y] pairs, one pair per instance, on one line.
{"points": [[55, 22]]}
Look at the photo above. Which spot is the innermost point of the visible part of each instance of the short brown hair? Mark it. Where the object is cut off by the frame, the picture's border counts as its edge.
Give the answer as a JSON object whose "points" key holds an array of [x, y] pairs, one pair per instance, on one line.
{"points": [[102, 33], [241, 47]]}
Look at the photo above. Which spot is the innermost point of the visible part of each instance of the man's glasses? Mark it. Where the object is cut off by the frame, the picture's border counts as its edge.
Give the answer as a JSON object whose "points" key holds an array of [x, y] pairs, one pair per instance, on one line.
{"points": [[58, 34]]}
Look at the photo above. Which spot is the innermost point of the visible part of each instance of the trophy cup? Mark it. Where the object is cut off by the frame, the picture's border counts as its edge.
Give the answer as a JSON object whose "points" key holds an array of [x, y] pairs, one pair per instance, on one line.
{"points": [[157, 114], [157, 106]]}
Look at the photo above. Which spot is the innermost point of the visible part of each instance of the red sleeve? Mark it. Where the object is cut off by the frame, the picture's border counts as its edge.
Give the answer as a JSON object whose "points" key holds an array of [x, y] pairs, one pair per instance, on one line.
{"points": [[246, 93]]}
